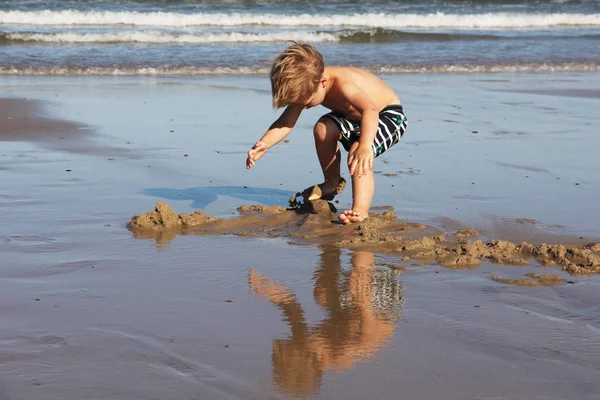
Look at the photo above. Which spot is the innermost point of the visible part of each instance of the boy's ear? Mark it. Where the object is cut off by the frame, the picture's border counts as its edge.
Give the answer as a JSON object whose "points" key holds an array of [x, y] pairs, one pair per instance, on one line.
{"points": [[323, 80]]}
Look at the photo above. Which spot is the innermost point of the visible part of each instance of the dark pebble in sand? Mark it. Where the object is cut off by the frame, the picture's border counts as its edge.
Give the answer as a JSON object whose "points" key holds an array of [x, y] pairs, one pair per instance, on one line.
{"points": [[577, 184], [37, 299], [229, 301], [474, 132], [185, 155], [68, 170]]}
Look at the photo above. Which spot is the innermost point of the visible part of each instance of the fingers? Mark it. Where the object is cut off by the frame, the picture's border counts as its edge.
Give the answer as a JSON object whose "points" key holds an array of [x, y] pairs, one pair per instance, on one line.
{"points": [[367, 166], [352, 166], [360, 165], [250, 159], [352, 161], [255, 153], [350, 158]]}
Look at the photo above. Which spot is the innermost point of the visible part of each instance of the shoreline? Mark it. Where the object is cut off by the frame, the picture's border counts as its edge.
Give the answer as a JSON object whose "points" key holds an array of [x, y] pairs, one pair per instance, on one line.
{"points": [[189, 72]]}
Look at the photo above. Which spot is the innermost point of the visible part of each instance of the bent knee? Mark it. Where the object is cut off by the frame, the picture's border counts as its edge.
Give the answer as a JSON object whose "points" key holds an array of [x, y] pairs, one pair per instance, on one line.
{"points": [[326, 129]]}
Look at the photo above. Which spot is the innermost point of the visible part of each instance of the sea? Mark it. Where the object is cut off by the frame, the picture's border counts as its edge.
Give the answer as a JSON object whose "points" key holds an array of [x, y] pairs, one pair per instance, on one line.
{"points": [[241, 37]]}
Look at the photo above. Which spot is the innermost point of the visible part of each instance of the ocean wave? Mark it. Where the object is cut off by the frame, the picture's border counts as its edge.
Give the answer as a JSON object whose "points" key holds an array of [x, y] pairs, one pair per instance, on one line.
{"points": [[171, 71], [374, 35], [155, 37], [382, 20], [383, 35]]}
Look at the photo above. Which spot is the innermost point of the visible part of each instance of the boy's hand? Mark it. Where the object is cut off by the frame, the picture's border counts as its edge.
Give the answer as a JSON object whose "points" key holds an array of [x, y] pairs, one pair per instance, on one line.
{"points": [[256, 152], [360, 159]]}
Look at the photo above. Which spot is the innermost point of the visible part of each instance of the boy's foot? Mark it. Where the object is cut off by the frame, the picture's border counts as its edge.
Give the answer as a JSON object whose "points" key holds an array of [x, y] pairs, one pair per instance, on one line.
{"points": [[352, 217], [324, 191]]}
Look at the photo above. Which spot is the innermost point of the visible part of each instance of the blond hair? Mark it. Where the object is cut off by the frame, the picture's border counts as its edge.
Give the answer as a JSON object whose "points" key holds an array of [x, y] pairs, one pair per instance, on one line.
{"points": [[295, 74]]}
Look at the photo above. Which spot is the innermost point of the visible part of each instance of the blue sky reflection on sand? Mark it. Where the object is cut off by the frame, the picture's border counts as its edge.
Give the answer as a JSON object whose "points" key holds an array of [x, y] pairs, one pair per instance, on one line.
{"points": [[201, 197]]}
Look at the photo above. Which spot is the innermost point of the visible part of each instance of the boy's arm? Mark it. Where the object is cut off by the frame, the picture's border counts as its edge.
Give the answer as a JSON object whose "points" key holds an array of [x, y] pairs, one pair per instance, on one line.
{"points": [[360, 158], [282, 126], [275, 134]]}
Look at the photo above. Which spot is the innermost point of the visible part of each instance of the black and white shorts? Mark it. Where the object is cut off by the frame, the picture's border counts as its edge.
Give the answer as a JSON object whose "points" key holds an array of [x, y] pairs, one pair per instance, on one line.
{"points": [[392, 124]]}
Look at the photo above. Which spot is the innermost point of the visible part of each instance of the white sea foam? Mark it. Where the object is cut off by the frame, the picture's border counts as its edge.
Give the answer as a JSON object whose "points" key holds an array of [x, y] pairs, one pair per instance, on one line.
{"points": [[167, 71], [167, 19], [171, 38]]}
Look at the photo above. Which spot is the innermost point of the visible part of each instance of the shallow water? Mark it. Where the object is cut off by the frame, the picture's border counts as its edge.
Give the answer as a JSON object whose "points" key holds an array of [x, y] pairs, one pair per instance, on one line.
{"points": [[88, 311]]}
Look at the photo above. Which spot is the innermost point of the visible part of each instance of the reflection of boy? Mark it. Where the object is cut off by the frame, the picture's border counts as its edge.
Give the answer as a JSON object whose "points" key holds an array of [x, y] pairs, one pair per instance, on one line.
{"points": [[361, 313], [366, 118]]}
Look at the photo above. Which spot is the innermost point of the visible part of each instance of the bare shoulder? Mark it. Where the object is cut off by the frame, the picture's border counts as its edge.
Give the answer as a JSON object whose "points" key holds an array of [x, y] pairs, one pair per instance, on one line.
{"points": [[349, 77]]}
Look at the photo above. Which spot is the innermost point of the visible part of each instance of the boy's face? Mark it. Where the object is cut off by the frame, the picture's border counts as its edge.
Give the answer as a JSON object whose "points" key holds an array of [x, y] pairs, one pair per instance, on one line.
{"points": [[318, 96]]}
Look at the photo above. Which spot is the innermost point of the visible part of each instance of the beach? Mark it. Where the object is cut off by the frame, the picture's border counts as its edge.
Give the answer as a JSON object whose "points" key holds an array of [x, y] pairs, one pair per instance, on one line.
{"points": [[92, 310]]}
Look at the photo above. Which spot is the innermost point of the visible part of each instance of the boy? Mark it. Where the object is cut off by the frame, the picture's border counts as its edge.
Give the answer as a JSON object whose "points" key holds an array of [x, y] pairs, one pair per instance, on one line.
{"points": [[366, 118]]}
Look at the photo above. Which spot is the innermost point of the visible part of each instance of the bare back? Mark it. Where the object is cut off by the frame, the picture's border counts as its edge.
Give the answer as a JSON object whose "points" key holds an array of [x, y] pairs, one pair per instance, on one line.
{"points": [[377, 90]]}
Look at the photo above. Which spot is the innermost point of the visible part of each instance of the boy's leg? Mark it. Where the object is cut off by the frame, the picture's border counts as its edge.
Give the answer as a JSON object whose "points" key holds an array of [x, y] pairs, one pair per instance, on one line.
{"points": [[363, 188], [392, 125], [326, 135]]}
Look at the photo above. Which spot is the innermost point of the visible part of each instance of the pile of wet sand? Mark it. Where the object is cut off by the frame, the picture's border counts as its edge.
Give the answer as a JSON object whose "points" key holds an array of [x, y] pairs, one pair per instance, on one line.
{"points": [[381, 233]]}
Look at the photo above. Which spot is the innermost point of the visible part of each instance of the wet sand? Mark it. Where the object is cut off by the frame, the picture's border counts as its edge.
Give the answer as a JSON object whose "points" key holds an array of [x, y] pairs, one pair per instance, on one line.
{"points": [[31, 120], [25, 120], [270, 303], [314, 221]]}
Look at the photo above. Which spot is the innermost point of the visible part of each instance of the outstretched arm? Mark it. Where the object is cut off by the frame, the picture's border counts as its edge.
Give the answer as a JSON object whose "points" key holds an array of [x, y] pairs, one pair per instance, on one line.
{"points": [[275, 134]]}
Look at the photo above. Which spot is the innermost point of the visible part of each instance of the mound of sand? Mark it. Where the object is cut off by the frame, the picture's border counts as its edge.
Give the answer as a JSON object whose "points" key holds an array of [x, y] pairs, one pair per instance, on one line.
{"points": [[312, 222]]}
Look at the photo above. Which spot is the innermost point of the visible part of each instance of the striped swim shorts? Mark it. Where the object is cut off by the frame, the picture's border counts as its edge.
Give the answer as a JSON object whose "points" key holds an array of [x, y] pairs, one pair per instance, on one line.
{"points": [[392, 124]]}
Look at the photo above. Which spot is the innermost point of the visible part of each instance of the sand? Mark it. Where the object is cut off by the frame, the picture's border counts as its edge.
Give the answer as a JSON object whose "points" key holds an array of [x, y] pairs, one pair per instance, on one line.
{"points": [[25, 120], [474, 277], [314, 221]]}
